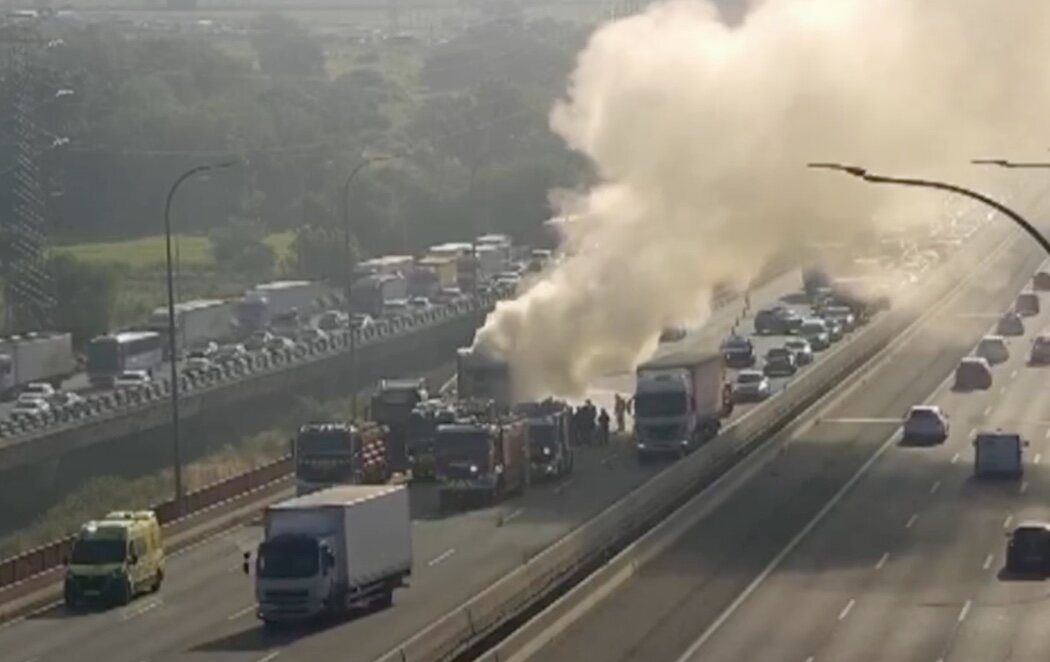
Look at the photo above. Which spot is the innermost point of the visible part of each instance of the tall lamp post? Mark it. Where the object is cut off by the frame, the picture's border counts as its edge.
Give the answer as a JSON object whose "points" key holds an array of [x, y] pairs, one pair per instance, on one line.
{"points": [[862, 173], [348, 273], [172, 357]]}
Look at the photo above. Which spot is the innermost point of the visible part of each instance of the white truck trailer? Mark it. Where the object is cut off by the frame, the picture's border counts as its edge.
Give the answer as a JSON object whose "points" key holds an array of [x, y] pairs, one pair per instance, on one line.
{"points": [[678, 403], [329, 551], [266, 301], [196, 322], [35, 357]]}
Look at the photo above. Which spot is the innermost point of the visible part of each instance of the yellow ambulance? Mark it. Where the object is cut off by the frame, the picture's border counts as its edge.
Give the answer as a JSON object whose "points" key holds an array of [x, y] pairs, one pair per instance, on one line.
{"points": [[115, 558]]}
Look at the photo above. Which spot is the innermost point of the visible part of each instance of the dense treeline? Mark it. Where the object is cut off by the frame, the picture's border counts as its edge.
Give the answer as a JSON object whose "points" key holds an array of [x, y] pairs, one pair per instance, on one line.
{"points": [[470, 111]]}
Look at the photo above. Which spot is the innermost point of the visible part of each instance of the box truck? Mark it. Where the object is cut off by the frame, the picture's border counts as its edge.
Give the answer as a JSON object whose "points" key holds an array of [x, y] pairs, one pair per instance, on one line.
{"points": [[480, 460], [35, 357], [998, 455], [266, 301], [330, 551], [678, 403], [196, 322]]}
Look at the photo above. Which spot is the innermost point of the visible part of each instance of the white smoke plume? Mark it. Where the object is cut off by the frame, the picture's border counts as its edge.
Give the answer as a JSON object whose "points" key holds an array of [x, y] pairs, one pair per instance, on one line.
{"points": [[700, 133]]}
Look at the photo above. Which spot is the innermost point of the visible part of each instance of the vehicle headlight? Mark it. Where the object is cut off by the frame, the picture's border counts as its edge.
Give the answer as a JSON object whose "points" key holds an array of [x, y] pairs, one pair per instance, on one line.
{"points": [[473, 468], [641, 445], [546, 451]]}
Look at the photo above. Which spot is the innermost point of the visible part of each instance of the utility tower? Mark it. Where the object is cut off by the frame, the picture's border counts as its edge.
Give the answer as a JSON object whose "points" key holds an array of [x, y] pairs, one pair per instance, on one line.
{"points": [[28, 293]]}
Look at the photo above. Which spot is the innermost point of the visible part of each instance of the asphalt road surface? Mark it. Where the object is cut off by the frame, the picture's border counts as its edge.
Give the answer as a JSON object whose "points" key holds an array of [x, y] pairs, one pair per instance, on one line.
{"points": [[903, 564], [205, 610]]}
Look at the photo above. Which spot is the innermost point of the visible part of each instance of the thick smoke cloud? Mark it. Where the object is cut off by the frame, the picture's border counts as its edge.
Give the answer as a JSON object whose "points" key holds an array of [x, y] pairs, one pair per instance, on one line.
{"points": [[699, 134]]}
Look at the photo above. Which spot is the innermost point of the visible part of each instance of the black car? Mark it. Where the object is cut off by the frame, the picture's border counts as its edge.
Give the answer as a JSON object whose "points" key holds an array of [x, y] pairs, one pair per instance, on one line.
{"points": [[1010, 324], [973, 373], [1027, 304], [780, 362], [739, 352], [777, 320], [1040, 354], [1028, 549], [1041, 281]]}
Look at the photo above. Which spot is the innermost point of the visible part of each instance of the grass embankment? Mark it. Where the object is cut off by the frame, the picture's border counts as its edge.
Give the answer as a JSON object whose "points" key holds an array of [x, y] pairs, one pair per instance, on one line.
{"points": [[102, 494], [142, 267]]}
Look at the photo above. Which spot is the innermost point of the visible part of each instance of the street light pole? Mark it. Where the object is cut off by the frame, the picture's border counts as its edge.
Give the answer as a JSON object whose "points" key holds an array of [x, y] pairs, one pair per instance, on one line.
{"points": [[348, 273], [172, 358], [862, 173]]}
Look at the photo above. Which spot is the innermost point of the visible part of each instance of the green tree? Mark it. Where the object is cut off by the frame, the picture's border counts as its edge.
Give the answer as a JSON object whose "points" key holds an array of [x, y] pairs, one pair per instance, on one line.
{"points": [[318, 252], [239, 246], [285, 48], [86, 295]]}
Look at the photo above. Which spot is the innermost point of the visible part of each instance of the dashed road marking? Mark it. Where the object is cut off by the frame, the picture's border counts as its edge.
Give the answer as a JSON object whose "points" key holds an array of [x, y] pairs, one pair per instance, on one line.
{"points": [[845, 610], [965, 610], [513, 515], [987, 410], [269, 656], [1013, 374], [1038, 456], [936, 486], [955, 458], [882, 560], [911, 521], [1007, 521], [241, 612], [1024, 487], [440, 557], [988, 561]]}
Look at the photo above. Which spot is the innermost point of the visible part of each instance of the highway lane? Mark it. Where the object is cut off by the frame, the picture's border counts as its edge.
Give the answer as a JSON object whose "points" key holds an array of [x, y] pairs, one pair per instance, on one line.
{"points": [[205, 606], [659, 613]]}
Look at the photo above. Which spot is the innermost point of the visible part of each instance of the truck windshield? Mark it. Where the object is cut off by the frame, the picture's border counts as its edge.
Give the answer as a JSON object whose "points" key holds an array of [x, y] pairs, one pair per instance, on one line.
{"points": [[660, 404], [334, 441], [456, 445], [99, 551], [289, 558], [541, 435]]}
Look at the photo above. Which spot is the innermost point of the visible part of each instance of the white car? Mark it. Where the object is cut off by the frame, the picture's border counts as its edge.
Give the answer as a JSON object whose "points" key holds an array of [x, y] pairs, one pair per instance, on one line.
{"points": [[31, 397], [311, 334], [198, 363], [925, 423], [38, 390], [29, 409], [65, 398], [751, 385], [131, 379]]}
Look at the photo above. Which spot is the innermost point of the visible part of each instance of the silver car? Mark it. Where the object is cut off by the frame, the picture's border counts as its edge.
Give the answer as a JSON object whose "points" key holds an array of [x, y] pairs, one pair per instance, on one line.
{"points": [[751, 385], [925, 423]]}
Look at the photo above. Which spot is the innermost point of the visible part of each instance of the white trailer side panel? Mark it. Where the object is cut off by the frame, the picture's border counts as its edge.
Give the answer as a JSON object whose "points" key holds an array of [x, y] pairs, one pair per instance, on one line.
{"points": [[378, 536], [708, 379], [39, 358]]}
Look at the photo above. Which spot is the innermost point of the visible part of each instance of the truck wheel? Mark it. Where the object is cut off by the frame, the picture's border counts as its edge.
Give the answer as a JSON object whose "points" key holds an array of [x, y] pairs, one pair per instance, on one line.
{"points": [[124, 593], [385, 599], [72, 600], [158, 579]]}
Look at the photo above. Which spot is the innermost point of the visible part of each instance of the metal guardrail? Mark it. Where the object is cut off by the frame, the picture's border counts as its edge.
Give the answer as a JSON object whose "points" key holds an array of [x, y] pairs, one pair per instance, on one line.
{"points": [[124, 401], [654, 499]]}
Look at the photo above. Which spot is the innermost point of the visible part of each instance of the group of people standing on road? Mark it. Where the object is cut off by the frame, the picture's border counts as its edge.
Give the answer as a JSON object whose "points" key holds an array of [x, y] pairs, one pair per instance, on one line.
{"points": [[590, 425]]}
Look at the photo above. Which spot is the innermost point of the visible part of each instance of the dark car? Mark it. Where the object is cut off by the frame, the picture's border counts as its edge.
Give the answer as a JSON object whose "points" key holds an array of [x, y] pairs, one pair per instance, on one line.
{"points": [[1028, 549], [1010, 324], [1027, 304], [777, 320], [973, 373], [780, 362], [1040, 354], [1041, 281], [739, 352]]}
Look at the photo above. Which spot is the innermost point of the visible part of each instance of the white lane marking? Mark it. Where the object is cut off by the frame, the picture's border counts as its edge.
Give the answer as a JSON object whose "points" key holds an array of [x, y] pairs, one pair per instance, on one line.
{"points": [[562, 487], [955, 458], [271, 655], [988, 561], [882, 560], [845, 610], [973, 432], [1024, 487], [241, 612], [1002, 391], [440, 557], [856, 421], [987, 410], [606, 460], [1047, 435], [790, 547], [810, 659], [1038, 456], [965, 610], [936, 486], [139, 610], [513, 515], [1006, 522], [911, 521], [1013, 374]]}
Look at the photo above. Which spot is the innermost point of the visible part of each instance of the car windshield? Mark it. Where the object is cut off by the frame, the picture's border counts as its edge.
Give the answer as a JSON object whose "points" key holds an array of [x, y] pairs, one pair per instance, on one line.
{"points": [[923, 414], [749, 378], [813, 327], [99, 551], [660, 404]]}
